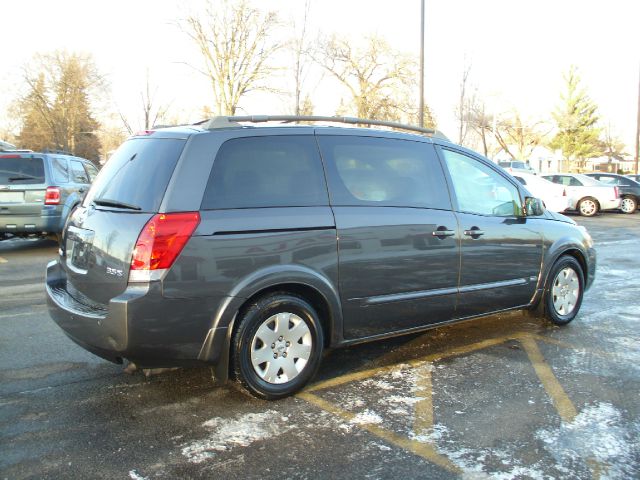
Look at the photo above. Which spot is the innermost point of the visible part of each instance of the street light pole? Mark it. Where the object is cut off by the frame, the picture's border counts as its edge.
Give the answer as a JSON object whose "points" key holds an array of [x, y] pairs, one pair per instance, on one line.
{"points": [[638, 124], [421, 112]]}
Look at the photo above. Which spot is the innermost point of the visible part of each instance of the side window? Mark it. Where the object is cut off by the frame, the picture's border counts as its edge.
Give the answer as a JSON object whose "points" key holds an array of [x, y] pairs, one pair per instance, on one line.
{"points": [[78, 175], [480, 189], [60, 170], [608, 180], [370, 171], [574, 182], [273, 171], [91, 171]]}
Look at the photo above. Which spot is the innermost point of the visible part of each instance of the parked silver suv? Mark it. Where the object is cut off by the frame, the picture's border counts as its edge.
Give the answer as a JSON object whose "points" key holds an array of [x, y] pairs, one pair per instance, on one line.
{"points": [[39, 190], [254, 249]]}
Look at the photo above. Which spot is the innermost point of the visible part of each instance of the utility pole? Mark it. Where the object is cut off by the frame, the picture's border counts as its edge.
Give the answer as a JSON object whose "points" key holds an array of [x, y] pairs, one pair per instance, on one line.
{"points": [[421, 112], [638, 123]]}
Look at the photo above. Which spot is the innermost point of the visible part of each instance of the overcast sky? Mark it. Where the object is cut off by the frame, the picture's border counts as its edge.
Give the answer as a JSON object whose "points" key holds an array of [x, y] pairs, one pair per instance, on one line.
{"points": [[518, 50]]}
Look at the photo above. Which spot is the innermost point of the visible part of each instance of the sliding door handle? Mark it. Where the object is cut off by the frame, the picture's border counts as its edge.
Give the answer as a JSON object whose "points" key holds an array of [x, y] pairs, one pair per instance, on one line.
{"points": [[443, 232], [474, 232]]}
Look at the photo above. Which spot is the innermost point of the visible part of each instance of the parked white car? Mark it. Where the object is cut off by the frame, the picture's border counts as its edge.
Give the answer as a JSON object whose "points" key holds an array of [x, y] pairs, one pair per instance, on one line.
{"points": [[554, 196], [587, 195]]}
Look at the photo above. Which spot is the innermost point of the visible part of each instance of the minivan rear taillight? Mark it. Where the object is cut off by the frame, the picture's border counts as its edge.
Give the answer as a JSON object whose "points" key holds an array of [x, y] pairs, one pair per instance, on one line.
{"points": [[159, 244], [52, 196]]}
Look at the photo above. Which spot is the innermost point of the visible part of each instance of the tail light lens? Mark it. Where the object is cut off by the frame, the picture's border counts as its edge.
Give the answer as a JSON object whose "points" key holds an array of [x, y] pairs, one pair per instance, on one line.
{"points": [[159, 244], [52, 196], [616, 193], [564, 192]]}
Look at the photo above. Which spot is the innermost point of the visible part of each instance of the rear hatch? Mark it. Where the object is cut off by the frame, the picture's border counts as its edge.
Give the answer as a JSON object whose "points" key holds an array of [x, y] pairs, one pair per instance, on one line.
{"points": [[101, 233], [22, 185]]}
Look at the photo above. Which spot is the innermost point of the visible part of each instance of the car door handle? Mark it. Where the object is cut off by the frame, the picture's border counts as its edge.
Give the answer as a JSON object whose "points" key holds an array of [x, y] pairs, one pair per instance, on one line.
{"points": [[473, 232], [442, 232]]}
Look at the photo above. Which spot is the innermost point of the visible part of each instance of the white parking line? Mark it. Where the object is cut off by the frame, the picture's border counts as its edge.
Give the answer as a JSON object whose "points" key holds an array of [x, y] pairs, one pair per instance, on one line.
{"points": [[3, 260]]}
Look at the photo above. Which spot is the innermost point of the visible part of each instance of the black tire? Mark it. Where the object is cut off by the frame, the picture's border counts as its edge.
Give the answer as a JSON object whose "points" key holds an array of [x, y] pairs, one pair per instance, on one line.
{"points": [[246, 339], [551, 301], [629, 205], [588, 207]]}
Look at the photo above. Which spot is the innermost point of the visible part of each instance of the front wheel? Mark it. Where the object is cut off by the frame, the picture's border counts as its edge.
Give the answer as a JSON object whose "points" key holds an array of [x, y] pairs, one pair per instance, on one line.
{"points": [[628, 205], [277, 346], [588, 207], [564, 290]]}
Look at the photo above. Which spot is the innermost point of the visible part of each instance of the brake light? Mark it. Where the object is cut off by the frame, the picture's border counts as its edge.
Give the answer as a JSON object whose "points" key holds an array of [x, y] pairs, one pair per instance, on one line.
{"points": [[144, 133], [564, 192], [10, 156], [52, 196], [159, 244], [616, 194]]}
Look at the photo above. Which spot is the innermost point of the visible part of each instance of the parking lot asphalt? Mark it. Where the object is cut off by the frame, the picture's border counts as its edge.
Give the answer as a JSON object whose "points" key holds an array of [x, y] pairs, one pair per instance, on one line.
{"points": [[505, 396]]}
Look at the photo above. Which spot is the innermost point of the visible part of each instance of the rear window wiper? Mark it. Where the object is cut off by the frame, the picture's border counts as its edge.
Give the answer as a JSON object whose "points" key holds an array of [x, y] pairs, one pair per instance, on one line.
{"points": [[22, 177], [105, 202]]}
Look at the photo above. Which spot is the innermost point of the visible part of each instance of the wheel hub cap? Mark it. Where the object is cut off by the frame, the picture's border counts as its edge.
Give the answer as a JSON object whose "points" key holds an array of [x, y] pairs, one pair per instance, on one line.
{"points": [[281, 348], [565, 291]]}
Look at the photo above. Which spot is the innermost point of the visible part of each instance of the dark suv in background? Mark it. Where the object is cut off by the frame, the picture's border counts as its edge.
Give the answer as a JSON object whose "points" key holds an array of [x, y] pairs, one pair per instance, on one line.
{"points": [[254, 249], [629, 189], [39, 190]]}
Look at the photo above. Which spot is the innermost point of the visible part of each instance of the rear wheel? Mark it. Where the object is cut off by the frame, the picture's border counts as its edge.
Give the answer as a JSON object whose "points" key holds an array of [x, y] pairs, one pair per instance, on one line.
{"points": [[588, 207], [277, 346], [564, 290], [628, 205]]}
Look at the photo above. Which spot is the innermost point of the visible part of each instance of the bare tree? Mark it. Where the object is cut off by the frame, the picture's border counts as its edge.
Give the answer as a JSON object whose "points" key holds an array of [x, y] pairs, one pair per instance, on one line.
{"points": [[464, 105], [152, 111], [519, 139], [236, 44], [381, 81], [302, 62]]}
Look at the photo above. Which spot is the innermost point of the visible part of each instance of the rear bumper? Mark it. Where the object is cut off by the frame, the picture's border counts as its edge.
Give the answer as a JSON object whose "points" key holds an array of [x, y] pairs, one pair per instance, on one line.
{"points": [[51, 222], [140, 324]]}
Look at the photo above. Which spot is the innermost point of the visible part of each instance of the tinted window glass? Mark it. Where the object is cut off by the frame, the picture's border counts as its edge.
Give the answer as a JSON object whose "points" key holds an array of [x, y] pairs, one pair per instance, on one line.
{"points": [[277, 171], [91, 171], [138, 173], [609, 180], [60, 170], [383, 172], [480, 189], [521, 180], [78, 175], [21, 171]]}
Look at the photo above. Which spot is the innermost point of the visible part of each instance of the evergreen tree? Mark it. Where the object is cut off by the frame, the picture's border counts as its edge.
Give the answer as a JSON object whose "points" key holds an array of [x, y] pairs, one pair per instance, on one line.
{"points": [[578, 134], [56, 112], [37, 131]]}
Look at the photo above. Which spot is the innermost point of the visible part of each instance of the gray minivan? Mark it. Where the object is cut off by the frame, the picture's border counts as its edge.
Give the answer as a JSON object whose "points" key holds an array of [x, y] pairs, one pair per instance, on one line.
{"points": [[255, 248], [39, 190]]}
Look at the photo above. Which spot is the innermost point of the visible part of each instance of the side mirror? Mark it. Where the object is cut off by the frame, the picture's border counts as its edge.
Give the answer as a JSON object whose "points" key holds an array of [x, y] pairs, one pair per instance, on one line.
{"points": [[534, 207]]}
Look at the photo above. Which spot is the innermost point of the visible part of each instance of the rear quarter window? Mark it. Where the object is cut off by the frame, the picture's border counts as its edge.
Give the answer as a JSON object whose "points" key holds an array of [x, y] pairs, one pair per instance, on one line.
{"points": [[21, 171], [60, 169], [269, 171], [138, 173], [370, 171]]}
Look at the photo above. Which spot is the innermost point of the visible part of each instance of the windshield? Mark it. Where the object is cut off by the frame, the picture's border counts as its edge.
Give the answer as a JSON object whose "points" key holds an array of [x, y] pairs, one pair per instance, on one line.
{"points": [[137, 174], [21, 171]]}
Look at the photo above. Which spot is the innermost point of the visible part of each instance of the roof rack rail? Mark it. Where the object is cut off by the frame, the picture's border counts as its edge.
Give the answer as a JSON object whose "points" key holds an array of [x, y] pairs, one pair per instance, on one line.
{"points": [[233, 121], [59, 152]]}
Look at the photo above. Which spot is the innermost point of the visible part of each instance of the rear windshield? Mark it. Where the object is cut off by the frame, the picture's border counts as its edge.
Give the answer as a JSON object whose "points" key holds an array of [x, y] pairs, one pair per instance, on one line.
{"points": [[21, 171], [518, 165], [138, 173]]}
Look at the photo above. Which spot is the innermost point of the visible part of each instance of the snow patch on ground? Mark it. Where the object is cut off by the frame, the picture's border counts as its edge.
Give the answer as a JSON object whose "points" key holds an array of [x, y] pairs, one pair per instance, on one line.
{"points": [[136, 476], [600, 434], [367, 417], [242, 431]]}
